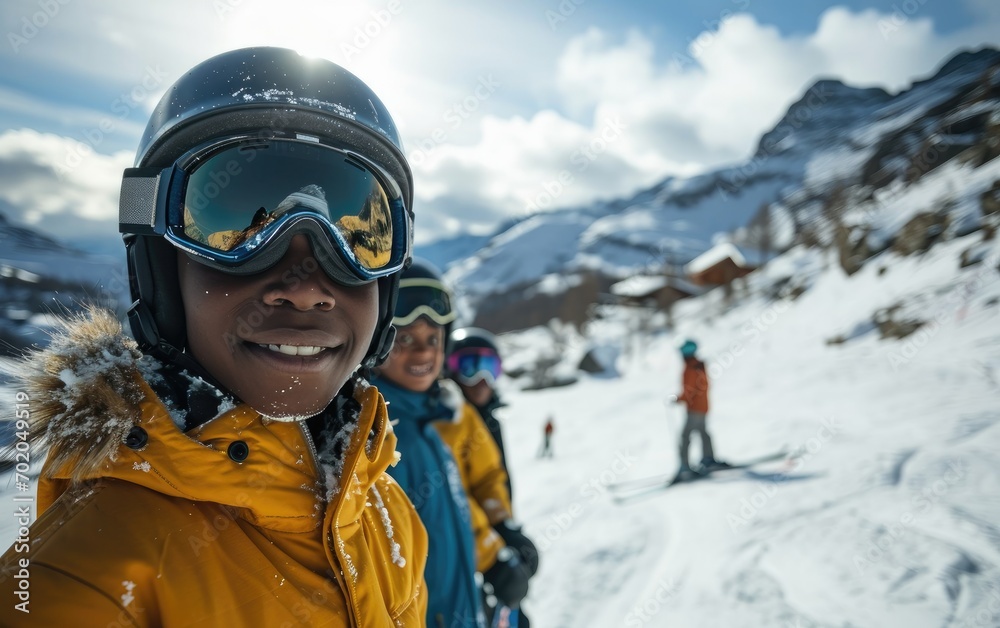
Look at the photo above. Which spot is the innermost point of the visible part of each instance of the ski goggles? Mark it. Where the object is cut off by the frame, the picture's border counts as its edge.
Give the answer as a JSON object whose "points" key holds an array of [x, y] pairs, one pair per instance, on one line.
{"points": [[474, 364], [422, 297], [235, 207]]}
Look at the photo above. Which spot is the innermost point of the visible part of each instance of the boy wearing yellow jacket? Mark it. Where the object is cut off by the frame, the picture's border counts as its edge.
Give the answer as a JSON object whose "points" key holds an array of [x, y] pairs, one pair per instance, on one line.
{"points": [[226, 467]]}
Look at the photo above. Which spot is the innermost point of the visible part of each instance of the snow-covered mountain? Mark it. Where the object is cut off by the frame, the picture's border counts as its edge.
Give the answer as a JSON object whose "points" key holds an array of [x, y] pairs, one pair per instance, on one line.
{"points": [[847, 163], [40, 277], [443, 252]]}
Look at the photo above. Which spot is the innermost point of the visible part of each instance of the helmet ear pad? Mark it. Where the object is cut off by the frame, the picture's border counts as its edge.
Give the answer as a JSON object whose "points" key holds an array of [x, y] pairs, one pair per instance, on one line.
{"points": [[157, 312]]}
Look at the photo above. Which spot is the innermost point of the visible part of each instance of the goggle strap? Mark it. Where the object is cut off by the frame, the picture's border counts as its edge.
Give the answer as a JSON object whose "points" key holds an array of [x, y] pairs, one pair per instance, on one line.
{"points": [[423, 282], [141, 188]]}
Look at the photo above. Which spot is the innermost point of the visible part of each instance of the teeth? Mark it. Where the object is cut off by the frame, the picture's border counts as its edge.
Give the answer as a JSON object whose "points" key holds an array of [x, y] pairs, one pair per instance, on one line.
{"points": [[421, 370], [294, 350]]}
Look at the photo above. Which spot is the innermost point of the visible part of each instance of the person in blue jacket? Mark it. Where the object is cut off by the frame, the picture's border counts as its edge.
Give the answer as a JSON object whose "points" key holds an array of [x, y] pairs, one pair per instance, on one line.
{"points": [[427, 471]]}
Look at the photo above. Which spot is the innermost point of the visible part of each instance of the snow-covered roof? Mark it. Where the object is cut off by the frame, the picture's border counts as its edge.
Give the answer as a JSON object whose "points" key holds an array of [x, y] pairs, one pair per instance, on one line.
{"points": [[638, 286], [643, 285], [684, 285], [742, 256]]}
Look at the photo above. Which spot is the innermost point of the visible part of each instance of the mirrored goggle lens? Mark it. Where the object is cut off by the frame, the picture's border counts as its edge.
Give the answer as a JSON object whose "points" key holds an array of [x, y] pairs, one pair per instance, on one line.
{"points": [[472, 365], [423, 297], [238, 198]]}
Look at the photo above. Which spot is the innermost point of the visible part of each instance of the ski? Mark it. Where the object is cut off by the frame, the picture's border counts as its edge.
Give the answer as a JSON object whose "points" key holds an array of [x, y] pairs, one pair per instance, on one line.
{"points": [[640, 482], [623, 497], [626, 491], [655, 480], [778, 455]]}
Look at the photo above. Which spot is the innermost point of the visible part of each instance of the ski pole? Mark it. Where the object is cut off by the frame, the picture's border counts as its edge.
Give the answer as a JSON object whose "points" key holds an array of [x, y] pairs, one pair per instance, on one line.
{"points": [[670, 402]]}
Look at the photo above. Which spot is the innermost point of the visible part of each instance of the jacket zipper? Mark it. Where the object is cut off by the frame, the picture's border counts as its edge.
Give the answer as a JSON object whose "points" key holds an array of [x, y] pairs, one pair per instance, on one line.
{"points": [[312, 449], [329, 536]]}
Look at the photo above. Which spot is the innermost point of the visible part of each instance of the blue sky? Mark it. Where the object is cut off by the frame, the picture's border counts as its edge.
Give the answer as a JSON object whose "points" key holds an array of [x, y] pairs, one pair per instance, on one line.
{"points": [[675, 87]]}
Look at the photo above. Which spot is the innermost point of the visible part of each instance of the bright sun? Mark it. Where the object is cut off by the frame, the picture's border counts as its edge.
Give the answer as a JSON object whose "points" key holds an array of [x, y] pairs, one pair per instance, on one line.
{"points": [[314, 29]]}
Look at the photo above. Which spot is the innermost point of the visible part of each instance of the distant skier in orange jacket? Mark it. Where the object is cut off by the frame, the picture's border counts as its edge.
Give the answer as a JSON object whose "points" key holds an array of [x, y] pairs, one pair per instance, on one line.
{"points": [[695, 396]]}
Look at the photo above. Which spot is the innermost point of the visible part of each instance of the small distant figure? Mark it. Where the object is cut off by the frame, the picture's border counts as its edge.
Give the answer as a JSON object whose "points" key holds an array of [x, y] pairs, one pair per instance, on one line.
{"points": [[546, 451], [695, 396]]}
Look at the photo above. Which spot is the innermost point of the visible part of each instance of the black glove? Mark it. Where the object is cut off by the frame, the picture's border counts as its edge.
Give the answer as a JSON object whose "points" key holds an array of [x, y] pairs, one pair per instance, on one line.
{"points": [[511, 533], [508, 577]]}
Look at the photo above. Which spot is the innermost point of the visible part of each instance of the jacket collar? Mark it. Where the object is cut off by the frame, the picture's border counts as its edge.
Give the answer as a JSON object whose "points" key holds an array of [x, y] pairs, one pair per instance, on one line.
{"points": [[442, 401], [88, 398]]}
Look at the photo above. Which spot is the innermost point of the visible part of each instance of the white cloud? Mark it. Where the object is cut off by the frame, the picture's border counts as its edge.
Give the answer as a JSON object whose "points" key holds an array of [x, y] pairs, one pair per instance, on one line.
{"points": [[93, 126], [60, 183], [520, 166], [733, 84], [873, 49]]}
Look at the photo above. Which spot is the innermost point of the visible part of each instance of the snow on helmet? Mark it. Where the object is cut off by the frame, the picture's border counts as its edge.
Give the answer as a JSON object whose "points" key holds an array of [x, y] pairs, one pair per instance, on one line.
{"points": [[473, 356], [689, 348], [422, 293], [260, 95]]}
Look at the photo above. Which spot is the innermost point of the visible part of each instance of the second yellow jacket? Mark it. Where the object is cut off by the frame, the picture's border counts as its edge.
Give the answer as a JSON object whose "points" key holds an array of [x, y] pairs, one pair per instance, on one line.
{"points": [[483, 474]]}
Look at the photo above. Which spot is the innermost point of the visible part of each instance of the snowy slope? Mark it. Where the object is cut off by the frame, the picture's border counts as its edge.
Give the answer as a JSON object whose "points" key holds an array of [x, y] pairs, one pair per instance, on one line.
{"points": [[890, 516]]}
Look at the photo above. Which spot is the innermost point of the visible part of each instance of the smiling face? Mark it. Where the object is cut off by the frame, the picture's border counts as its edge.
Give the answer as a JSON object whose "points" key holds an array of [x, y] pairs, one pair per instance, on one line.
{"points": [[417, 357], [285, 340]]}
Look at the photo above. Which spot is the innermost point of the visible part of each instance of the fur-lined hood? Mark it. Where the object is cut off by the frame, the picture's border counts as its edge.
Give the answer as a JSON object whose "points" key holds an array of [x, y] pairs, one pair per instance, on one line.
{"points": [[84, 393], [91, 407]]}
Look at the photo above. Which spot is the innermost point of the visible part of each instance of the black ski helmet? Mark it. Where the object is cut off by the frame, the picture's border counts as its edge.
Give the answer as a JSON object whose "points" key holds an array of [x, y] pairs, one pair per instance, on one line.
{"points": [[254, 92], [423, 294], [473, 337], [466, 338]]}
